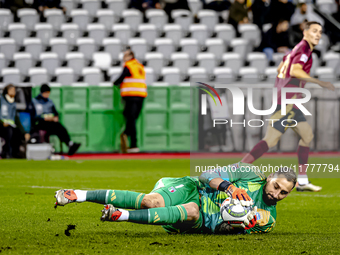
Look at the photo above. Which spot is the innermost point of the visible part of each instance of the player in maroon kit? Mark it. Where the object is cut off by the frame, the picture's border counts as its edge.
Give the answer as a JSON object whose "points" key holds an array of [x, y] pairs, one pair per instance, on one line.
{"points": [[293, 71]]}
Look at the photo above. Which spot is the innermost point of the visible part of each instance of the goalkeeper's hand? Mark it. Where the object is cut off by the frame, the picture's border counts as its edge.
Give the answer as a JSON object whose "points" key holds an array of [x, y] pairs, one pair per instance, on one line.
{"points": [[240, 194], [248, 223]]}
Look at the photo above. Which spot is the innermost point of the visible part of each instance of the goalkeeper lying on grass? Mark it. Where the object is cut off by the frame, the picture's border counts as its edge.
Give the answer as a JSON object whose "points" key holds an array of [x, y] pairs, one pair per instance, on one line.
{"points": [[192, 204]]}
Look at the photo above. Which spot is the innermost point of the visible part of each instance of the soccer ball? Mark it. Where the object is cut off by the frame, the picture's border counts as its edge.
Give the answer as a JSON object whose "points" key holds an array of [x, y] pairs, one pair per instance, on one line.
{"points": [[233, 211]]}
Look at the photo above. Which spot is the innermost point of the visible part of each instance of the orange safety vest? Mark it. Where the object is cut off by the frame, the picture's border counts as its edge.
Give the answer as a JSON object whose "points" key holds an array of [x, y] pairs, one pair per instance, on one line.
{"points": [[134, 86]]}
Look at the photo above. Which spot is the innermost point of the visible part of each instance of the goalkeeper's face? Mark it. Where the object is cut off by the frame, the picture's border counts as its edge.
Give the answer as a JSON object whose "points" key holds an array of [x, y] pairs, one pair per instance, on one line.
{"points": [[276, 189]]}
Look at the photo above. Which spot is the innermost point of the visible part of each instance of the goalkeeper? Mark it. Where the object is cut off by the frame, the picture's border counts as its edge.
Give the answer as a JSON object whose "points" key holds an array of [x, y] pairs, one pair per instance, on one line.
{"points": [[192, 204]]}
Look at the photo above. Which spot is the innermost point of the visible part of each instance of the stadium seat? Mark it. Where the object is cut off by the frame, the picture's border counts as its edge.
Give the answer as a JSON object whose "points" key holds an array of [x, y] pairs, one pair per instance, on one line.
{"points": [[122, 32], [3, 61], [44, 32], [139, 47], [65, 76], [117, 6], [102, 60], [165, 46], [157, 17], [23, 61], [69, 5], [6, 18], [70, 32], [332, 60], [216, 46], [174, 32], [249, 74], [76, 61], [112, 46], [326, 74], [38, 76], [114, 73], [271, 74], [29, 17], [59, 46], [241, 46], [181, 60], [258, 60], [8, 47], [316, 64], [199, 32], [277, 58], [50, 61], [223, 75], [149, 75], [133, 18], [106, 17], [18, 32], [207, 61], [97, 32], [33, 46], [81, 18], [208, 18], [197, 73], [191, 47], [87, 47], [91, 6], [171, 75], [55, 17], [10, 75], [92, 75], [250, 32], [149, 33], [183, 18], [155, 60], [195, 6], [326, 6], [226, 32]]}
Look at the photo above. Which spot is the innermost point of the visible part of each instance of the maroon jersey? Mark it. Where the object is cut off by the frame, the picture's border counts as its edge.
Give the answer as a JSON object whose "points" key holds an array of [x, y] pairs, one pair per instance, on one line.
{"points": [[301, 54]]}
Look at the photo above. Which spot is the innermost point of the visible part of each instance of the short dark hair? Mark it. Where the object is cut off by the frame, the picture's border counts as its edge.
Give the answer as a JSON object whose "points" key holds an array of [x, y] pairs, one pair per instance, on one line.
{"points": [[309, 23], [45, 88], [288, 173], [5, 91]]}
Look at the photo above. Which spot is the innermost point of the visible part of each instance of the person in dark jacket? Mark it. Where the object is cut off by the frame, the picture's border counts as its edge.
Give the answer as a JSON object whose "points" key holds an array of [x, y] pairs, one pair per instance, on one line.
{"points": [[10, 125], [45, 117]]}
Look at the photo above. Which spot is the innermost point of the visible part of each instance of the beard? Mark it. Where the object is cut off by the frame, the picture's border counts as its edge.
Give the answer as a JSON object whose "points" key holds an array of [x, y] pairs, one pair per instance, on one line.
{"points": [[267, 198]]}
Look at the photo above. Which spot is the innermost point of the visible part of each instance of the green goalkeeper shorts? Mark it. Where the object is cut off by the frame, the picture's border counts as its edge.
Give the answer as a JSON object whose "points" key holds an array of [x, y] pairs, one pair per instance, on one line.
{"points": [[178, 191]]}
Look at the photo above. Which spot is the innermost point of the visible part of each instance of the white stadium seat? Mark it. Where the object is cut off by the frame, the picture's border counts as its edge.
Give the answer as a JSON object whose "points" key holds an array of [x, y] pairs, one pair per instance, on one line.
{"points": [[86, 46], [55, 17], [208, 18], [65, 76], [122, 32], [171, 75], [29, 17], [106, 17], [11, 75], [112, 46], [133, 18], [23, 61], [226, 32], [258, 60], [157, 17], [59, 46], [44, 31], [33, 46], [81, 18], [92, 75], [70, 32], [18, 32], [76, 61], [38, 76]]}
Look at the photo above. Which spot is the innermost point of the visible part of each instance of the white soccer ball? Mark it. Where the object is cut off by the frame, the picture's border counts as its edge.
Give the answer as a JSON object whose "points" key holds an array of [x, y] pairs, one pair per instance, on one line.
{"points": [[233, 211]]}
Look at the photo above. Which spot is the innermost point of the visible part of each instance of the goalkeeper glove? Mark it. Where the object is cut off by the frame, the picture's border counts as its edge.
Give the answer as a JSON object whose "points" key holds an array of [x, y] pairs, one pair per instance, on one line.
{"points": [[236, 193], [248, 223]]}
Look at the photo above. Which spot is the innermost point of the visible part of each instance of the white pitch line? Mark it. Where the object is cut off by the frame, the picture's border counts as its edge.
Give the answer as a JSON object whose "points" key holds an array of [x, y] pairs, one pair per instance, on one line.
{"points": [[314, 195]]}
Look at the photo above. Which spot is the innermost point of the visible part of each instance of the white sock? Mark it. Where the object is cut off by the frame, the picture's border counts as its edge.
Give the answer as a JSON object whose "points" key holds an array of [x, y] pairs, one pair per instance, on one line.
{"points": [[81, 195], [302, 179], [124, 216]]}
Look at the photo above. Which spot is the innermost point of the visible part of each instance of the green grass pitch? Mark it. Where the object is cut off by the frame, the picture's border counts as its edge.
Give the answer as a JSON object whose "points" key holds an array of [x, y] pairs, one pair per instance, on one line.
{"points": [[307, 223]]}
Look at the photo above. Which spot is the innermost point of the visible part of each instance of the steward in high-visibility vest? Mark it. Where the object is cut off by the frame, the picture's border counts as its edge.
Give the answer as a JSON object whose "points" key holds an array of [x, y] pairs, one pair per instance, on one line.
{"points": [[133, 90]]}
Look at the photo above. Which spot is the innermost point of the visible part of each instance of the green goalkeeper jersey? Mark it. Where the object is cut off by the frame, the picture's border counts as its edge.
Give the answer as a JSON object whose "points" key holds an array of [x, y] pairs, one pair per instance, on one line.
{"points": [[244, 176]]}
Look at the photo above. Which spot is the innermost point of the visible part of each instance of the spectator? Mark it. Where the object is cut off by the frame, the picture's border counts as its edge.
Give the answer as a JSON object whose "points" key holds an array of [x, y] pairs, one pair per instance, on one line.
{"points": [[49, 4], [143, 5], [10, 125], [304, 12], [296, 33], [216, 5], [276, 39], [261, 12], [281, 10], [238, 13], [15, 5], [169, 5], [45, 117]]}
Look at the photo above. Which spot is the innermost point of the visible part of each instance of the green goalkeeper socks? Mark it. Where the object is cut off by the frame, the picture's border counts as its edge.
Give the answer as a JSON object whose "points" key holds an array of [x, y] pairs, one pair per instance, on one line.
{"points": [[118, 198], [159, 216]]}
